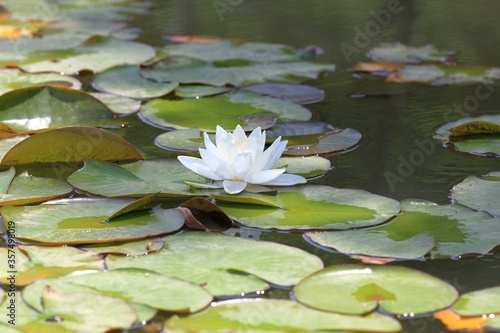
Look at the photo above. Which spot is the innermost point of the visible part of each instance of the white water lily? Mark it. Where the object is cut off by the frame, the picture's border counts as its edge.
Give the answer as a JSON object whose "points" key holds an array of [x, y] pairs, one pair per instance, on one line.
{"points": [[236, 160]]}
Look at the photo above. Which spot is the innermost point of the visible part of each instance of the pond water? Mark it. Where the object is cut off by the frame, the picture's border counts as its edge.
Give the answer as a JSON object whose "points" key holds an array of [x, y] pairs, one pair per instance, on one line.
{"points": [[392, 117]]}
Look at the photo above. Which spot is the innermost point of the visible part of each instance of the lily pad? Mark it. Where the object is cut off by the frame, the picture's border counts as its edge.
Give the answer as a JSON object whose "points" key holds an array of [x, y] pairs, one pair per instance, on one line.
{"points": [[138, 286], [11, 78], [71, 144], [334, 141], [297, 93], [224, 265], [400, 53], [38, 262], [479, 193], [423, 227], [135, 179], [476, 135], [34, 108], [479, 302], [25, 189], [225, 111], [86, 220], [197, 91], [360, 289], [310, 166], [127, 81], [316, 207], [266, 315], [183, 140], [118, 104]]}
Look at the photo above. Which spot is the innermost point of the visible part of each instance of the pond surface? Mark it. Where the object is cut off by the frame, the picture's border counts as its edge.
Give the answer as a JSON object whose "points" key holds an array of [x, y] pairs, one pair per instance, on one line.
{"points": [[392, 117]]}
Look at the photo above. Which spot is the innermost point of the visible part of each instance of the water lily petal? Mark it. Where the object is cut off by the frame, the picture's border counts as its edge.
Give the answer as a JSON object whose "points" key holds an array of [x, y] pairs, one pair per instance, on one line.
{"points": [[286, 179], [198, 165], [239, 134], [234, 186], [269, 157], [215, 164], [265, 176], [242, 163], [209, 145]]}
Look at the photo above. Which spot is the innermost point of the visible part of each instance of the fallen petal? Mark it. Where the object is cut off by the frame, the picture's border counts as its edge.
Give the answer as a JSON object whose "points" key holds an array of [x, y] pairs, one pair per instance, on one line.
{"points": [[234, 186]]}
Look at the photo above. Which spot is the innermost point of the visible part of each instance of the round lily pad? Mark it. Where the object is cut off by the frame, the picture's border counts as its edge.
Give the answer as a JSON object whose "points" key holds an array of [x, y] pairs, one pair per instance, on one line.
{"points": [[423, 227], [400, 53], [127, 81], [224, 265], [479, 193], [315, 207], [184, 140], [87, 220], [197, 91], [11, 78], [118, 104], [360, 289], [266, 315], [335, 141], [479, 302], [297, 93], [226, 111], [306, 166]]}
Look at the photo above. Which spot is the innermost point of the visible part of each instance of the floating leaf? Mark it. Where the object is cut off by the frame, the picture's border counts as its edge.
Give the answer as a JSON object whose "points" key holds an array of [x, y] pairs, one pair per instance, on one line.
{"points": [[127, 81], [11, 78], [476, 135], [136, 179], [445, 231], [479, 302], [184, 140], [360, 289], [225, 111], [201, 214], [34, 108], [85, 220], [310, 166], [118, 104], [38, 262], [197, 91], [400, 53], [335, 141], [25, 189], [316, 207], [479, 193], [222, 264], [71, 144], [266, 315], [137, 286], [297, 93]]}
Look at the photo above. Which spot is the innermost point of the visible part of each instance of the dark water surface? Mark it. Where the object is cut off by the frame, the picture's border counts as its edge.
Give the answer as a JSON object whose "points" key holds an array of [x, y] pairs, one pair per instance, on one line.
{"points": [[393, 118]]}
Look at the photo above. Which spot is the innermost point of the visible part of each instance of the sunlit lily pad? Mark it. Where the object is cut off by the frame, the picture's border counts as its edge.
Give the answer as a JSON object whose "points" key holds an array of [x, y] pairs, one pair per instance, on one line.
{"points": [[184, 140], [224, 265], [135, 179], [310, 166], [133, 285], [444, 231], [127, 81], [38, 262], [476, 135], [70, 313], [334, 141], [226, 111], [479, 193], [197, 91], [11, 78], [297, 93], [85, 220], [479, 302], [272, 315], [400, 53], [71, 144], [316, 207], [118, 104], [25, 189], [359, 289]]}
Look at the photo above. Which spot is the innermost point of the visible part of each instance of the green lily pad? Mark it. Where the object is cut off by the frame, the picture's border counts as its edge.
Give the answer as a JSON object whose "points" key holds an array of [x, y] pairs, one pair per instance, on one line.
{"points": [[479, 302], [118, 104], [273, 315], [297, 93], [133, 285], [360, 289], [197, 91], [135, 179], [226, 111], [481, 193], [183, 140], [38, 262], [25, 189], [71, 144], [94, 27], [441, 75], [127, 81], [400, 53], [476, 135], [85, 220], [316, 207], [75, 52], [72, 312], [224, 265], [307, 166], [423, 227], [11, 78], [34, 108]]}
